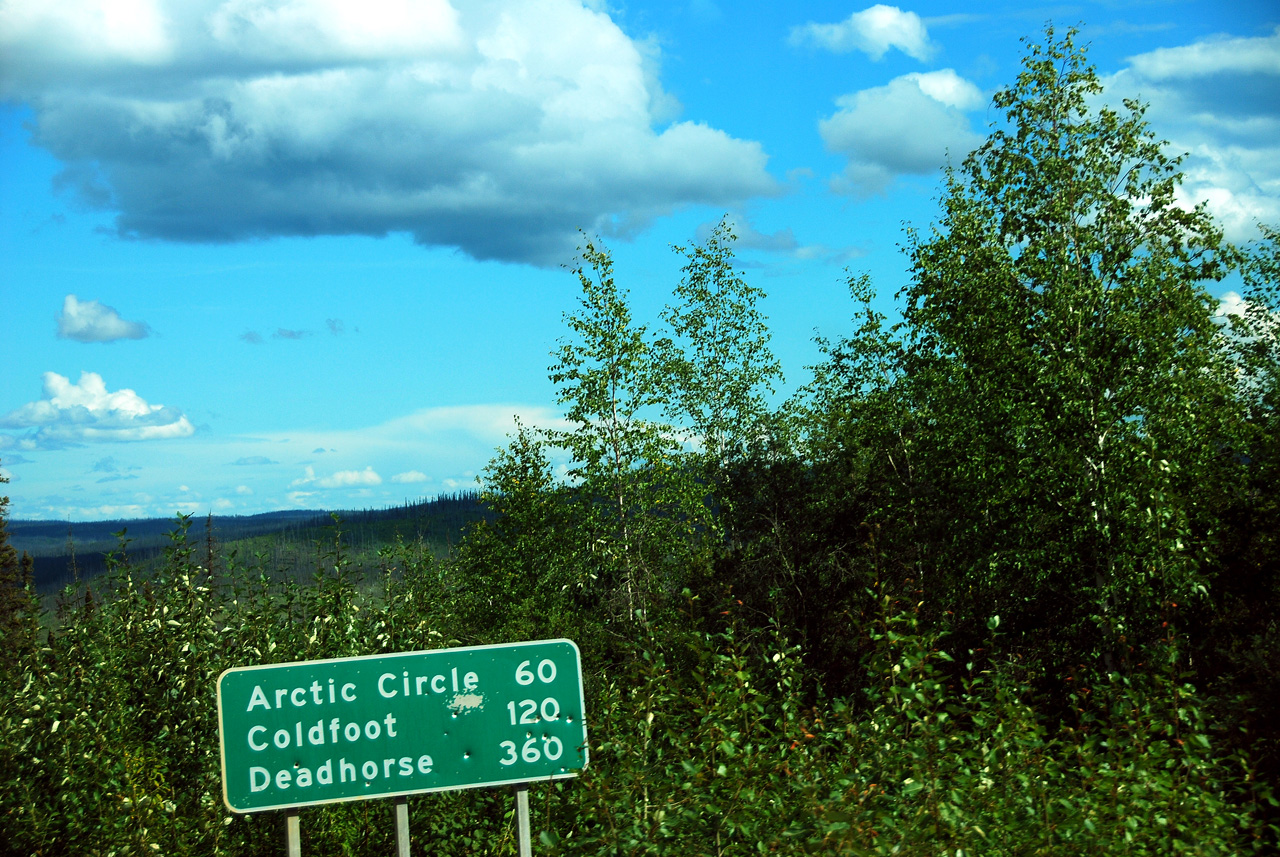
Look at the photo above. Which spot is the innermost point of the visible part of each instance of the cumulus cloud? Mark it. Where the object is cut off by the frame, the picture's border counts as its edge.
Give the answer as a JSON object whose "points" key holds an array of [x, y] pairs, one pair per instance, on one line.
{"points": [[1217, 101], [350, 479], [909, 126], [91, 321], [341, 479], [410, 477], [87, 412], [873, 31], [498, 128]]}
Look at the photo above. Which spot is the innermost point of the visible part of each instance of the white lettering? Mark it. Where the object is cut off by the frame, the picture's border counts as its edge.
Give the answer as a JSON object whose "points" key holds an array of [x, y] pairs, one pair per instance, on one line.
{"points": [[261, 779], [382, 679], [253, 746], [258, 698], [254, 774]]}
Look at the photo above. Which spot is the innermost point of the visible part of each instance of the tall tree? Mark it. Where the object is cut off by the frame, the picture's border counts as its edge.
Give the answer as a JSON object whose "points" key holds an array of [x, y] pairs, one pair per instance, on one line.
{"points": [[1068, 386], [637, 504], [717, 364]]}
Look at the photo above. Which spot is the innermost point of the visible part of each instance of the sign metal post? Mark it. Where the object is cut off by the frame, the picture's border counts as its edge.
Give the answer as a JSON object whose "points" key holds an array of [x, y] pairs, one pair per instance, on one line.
{"points": [[402, 826], [292, 834], [522, 820]]}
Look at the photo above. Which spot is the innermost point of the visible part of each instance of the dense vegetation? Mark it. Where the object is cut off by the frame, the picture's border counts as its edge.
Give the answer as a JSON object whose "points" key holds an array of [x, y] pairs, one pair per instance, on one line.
{"points": [[1002, 579]]}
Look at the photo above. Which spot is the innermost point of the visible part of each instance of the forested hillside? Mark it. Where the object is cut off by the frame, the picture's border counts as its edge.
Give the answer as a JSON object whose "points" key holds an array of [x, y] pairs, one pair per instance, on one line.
{"points": [[1002, 578], [66, 553]]}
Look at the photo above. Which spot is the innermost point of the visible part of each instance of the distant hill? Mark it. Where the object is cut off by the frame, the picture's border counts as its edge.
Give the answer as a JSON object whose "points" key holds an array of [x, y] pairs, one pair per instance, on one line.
{"points": [[55, 544]]}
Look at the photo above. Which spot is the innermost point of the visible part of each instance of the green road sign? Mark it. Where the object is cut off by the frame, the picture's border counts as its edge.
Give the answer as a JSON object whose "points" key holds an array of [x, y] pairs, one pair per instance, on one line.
{"points": [[314, 732]]}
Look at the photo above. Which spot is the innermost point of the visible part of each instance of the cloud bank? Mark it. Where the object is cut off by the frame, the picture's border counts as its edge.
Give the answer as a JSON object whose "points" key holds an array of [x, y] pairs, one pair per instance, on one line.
{"points": [[87, 412], [90, 321], [499, 128]]}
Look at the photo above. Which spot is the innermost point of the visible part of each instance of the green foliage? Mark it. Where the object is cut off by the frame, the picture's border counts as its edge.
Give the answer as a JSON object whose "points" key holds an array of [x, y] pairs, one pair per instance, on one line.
{"points": [[1049, 419], [709, 750], [717, 366], [633, 501]]}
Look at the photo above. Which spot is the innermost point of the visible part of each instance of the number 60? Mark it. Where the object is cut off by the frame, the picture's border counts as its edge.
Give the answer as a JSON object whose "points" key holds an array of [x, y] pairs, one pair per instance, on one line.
{"points": [[546, 672]]}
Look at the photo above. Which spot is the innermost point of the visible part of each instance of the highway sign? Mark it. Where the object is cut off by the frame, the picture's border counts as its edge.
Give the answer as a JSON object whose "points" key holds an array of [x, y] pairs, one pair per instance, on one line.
{"points": [[313, 732]]}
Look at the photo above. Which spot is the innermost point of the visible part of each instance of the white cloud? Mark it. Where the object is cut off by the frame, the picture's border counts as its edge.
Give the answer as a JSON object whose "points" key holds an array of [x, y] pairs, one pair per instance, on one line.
{"points": [[322, 29], [301, 499], [1217, 101], [909, 126], [86, 411], [1217, 55], [340, 479], [873, 31], [91, 321], [410, 477], [1231, 304], [40, 37], [351, 479], [499, 128], [783, 242], [946, 87]]}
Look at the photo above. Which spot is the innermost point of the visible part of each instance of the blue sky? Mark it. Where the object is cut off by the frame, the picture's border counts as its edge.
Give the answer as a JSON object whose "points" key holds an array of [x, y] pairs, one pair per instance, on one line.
{"points": [[262, 255]]}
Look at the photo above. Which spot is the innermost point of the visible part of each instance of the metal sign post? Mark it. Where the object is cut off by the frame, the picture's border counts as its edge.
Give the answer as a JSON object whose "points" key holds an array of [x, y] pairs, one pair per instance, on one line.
{"points": [[292, 834], [402, 826], [314, 732], [522, 820]]}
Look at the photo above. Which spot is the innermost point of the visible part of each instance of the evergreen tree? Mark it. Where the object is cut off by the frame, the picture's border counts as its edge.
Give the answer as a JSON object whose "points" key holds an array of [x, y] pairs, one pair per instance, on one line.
{"points": [[19, 622]]}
